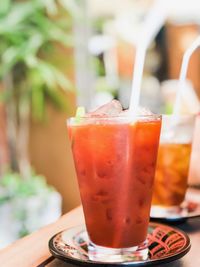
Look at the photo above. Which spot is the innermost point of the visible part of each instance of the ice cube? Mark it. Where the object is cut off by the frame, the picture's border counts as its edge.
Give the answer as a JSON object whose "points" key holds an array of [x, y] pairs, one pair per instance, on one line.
{"points": [[112, 108], [141, 111], [144, 111]]}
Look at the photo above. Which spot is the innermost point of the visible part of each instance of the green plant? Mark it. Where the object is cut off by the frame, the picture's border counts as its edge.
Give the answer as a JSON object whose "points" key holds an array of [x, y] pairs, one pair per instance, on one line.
{"points": [[29, 32], [12, 186], [17, 193]]}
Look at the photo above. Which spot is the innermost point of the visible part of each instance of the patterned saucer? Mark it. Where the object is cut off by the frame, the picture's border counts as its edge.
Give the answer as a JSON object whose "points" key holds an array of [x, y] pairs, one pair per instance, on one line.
{"points": [[165, 244], [189, 209]]}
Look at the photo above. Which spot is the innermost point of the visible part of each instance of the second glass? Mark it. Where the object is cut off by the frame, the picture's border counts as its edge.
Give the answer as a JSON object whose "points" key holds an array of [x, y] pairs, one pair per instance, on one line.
{"points": [[115, 159], [173, 163]]}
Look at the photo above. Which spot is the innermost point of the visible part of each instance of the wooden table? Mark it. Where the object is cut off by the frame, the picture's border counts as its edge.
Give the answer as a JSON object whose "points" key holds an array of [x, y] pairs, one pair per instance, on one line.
{"points": [[33, 249]]}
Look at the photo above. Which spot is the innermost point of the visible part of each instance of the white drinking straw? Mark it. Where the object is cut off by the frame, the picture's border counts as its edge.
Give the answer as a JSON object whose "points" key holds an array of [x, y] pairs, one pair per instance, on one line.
{"points": [[153, 23], [183, 74]]}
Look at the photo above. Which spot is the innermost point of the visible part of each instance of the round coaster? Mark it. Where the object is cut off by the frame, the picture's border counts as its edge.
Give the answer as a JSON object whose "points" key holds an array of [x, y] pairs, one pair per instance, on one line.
{"points": [[165, 244], [189, 209]]}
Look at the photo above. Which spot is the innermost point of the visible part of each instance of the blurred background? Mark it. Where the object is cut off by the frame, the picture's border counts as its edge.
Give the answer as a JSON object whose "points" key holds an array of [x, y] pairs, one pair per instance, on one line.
{"points": [[56, 55]]}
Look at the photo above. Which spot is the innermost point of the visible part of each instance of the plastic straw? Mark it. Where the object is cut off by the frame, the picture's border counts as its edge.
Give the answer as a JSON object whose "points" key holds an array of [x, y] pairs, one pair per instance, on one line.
{"points": [[183, 74], [153, 23]]}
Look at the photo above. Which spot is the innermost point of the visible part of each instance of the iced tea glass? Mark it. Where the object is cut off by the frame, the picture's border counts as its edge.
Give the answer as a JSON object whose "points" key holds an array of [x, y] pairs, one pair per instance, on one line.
{"points": [[115, 160], [172, 164]]}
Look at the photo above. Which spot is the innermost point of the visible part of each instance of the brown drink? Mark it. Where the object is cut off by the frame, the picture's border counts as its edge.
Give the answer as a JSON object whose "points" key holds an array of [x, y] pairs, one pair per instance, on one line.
{"points": [[173, 161], [171, 174]]}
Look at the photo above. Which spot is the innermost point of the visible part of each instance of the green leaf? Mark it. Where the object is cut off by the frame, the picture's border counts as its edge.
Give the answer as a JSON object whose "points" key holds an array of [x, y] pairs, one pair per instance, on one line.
{"points": [[14, 186], [9, 59], [18, 13], [28, 29], [80, 112], [62, 80], [33, 44], [71, 6], [38, 103], [57, 99], [52, 77], [31, 61], [25, 52], [4, 7], [45, 70], [50, 6]]}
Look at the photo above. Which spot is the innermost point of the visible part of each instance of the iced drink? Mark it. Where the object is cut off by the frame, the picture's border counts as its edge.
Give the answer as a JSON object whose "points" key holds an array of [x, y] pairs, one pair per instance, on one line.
{"points": [[115, 159], [171, 174], [173, 161]]}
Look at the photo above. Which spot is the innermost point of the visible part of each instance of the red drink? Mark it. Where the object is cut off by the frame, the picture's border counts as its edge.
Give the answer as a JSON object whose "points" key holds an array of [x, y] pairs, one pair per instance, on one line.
{"points": [[115, 161]]}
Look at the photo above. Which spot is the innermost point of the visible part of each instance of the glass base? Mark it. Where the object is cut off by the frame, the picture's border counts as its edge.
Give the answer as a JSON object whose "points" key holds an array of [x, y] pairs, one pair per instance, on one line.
{"points": [[105, 254]]}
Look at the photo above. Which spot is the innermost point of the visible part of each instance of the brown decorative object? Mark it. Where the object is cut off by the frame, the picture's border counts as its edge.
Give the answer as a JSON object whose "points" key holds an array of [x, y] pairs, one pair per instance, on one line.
{"points": [[51, 155], [50, 150]]}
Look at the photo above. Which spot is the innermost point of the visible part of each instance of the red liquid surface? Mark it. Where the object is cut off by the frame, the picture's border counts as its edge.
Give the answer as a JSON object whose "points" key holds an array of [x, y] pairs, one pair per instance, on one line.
{"points": [[115, 165]]}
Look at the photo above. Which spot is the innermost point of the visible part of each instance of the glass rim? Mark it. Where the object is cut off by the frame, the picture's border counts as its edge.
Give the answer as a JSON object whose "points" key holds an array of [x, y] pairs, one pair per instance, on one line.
{"points": [[178, 115], [148, 117]]}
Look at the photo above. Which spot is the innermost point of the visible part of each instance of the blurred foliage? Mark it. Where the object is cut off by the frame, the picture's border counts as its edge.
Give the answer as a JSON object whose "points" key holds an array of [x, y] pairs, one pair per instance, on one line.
{"points": [[28, 31], [98, 66], [99, 23], [18, 194], [13, 186], [168, 108], [102, 84], [31, 32]]}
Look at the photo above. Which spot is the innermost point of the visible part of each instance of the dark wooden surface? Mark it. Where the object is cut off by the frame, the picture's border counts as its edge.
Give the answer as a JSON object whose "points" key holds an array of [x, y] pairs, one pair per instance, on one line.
{"points": [[192, 259]]}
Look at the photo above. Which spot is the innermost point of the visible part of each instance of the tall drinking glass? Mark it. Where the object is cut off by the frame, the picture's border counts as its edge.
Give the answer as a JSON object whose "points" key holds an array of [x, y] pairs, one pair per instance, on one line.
{"points": [[173, 164], [115, 159]]}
